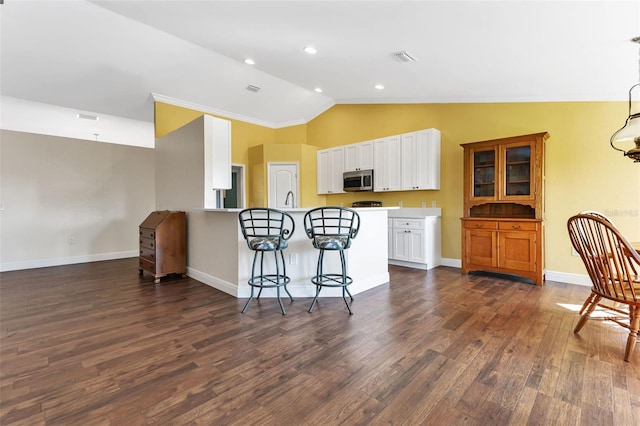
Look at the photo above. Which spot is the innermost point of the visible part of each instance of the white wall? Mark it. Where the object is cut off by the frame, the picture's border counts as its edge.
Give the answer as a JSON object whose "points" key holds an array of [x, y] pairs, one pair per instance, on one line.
{"points": [[69, 201]]}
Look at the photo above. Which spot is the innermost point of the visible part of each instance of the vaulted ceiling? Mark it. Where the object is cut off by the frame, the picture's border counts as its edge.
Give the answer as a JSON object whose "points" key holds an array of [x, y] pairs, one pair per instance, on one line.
{"points": [[114, 57]]}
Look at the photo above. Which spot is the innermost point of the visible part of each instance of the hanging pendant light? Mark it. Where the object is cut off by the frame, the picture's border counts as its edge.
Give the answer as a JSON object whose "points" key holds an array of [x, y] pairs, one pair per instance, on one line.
{"points": [[630, 132]]}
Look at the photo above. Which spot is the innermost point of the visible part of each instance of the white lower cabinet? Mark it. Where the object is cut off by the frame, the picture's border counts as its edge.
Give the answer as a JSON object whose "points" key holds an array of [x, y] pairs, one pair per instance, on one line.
{"points": [[414, 242]]}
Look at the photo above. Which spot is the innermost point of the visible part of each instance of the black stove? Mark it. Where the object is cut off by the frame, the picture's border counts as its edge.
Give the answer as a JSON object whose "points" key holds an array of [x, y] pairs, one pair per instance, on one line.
{"points": [[367, 204]]}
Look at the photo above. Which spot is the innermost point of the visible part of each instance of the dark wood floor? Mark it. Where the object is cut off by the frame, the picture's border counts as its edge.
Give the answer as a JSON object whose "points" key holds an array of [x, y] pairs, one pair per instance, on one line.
{"points": [[95, 344]]}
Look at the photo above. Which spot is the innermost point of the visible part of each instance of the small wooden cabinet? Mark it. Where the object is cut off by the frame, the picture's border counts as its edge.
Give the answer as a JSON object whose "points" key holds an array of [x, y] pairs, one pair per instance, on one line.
{"points": [[502, 227], [162, 244]]}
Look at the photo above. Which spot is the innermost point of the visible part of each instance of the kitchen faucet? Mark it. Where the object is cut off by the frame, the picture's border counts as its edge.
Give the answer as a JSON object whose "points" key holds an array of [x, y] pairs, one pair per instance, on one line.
{"points": [[286, 200]]}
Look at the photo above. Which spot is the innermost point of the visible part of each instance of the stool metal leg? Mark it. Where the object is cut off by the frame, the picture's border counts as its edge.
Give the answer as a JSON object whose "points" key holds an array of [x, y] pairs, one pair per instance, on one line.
{"points": [[315, 299], [344, 282], [253, 274], [284, 273]]}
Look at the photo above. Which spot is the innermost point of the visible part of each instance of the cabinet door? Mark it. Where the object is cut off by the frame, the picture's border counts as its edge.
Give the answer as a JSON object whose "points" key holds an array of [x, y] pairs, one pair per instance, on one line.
{"points": [[366, 155], [518, 172], [400, 246], [337, 170], [408, 150], [480, 247], [390, 238], [387, 164], [358, 156], [351, 160], [484, 173], [416, 250], [324, 178], [517, 250], [427, 160]]}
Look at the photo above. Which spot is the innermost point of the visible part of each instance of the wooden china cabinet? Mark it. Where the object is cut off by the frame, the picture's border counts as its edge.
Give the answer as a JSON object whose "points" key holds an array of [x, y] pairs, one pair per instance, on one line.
{"points": [[502, 227]]}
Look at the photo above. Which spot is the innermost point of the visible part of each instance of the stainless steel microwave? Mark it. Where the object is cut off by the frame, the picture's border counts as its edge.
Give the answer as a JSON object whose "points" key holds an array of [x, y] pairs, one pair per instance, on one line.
{"points": [[361, 180]]}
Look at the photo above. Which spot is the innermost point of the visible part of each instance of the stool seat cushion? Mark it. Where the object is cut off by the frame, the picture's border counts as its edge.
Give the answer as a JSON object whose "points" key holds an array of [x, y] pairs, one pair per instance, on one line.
{"points": [[326, 242], [268, 243]]}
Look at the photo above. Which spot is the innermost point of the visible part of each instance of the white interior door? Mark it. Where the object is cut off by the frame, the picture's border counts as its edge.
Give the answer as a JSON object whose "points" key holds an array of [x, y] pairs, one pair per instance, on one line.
{"points": [[283, 185]]}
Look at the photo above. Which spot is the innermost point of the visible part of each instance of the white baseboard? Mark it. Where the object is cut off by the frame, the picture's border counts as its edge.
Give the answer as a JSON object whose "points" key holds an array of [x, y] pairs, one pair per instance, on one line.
{"points": [[453, 263], [300, 288], [297, 290], [564, 277], [43, 263], [215, 282]]}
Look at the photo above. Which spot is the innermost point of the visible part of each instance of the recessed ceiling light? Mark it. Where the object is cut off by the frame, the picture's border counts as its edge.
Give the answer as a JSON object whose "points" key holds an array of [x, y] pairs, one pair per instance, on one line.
{"points": [[379, 86], [249, 61], [88, 117], [317, 89], [252, 88], [310, 50]]}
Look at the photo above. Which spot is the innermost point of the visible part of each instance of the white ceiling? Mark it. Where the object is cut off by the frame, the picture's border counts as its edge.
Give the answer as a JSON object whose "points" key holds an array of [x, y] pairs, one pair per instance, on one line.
{"points": [[110, 56]]}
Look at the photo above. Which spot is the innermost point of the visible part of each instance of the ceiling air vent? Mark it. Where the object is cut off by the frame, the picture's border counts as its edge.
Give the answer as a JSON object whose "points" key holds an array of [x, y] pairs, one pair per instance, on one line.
{"points": [[252, 88], [404, 56]]}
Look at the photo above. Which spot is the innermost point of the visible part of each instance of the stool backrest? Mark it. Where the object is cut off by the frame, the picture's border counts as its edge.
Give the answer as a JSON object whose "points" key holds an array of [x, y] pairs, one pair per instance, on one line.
{"points": [[333, 222], [265, 222]]}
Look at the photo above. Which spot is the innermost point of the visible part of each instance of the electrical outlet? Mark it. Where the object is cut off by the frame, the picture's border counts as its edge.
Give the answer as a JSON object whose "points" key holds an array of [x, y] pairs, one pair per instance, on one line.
{"points": [[424, 204], [293, 259], [574, 252], [71, 240]]}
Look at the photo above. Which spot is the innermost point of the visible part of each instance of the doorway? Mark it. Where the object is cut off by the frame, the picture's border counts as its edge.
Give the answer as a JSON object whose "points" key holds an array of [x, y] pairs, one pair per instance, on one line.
{"points": [[283, 185], [234, 197]]}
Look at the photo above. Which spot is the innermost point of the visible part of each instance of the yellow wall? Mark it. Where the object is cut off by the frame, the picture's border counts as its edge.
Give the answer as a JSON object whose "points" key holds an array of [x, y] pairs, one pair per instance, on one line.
{"points": [[292, 134], [245, 135], [582, 171]]}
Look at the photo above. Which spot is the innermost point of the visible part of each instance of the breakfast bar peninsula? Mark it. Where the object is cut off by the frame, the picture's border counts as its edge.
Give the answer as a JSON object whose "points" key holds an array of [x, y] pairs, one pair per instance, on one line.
{"points": [[218, 254]]}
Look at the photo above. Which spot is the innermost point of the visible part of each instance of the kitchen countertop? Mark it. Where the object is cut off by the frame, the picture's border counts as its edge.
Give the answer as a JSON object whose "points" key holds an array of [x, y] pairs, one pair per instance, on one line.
{"points": [[306, 209], [416, 212]]}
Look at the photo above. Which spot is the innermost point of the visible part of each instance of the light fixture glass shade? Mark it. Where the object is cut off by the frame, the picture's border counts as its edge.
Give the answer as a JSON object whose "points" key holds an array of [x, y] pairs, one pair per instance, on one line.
{"points": [[630, 131]]}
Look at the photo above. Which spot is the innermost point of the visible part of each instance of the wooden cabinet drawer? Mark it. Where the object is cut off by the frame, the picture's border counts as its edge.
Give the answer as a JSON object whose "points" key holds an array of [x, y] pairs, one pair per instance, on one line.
{"points": [[147, 265], [148, 243], [148, 253], [147, 233], [408, 223], [518, 226], [480, 224]]}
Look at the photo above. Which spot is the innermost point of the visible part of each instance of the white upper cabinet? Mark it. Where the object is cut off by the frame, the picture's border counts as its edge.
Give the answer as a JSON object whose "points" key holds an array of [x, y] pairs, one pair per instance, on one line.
{"points": [[421, 160], [387, 164], [217, 152], [358, 156], [330, 169]]}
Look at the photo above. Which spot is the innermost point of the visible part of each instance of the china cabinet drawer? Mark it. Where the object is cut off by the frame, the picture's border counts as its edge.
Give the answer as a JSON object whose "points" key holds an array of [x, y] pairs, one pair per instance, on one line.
{"points": [[480, 224], [518, 226]]}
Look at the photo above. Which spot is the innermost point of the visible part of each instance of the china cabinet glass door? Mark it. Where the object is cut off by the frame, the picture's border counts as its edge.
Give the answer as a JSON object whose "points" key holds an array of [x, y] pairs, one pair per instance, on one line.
{"points": [[518, 171], [484, 173]]}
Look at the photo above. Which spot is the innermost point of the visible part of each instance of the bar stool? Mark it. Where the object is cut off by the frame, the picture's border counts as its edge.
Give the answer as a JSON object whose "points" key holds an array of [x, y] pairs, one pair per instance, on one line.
{"points": [[331, 228], [267, 230]]}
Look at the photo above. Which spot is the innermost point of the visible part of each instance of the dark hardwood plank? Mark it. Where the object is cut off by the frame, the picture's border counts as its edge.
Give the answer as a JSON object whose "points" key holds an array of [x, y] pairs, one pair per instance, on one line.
{"points": [[95, 344]]}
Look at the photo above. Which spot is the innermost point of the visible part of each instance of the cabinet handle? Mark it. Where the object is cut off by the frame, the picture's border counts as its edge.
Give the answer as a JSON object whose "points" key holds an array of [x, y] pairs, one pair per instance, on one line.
{"points": [[516, 226], [478, 225]]}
